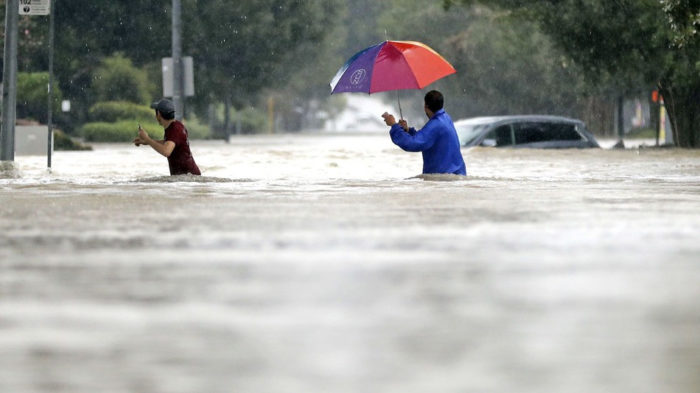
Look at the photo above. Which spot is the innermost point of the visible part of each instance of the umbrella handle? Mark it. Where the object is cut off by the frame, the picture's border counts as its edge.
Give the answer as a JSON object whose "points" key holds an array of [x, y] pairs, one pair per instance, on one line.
{"points": [[398, 96]]}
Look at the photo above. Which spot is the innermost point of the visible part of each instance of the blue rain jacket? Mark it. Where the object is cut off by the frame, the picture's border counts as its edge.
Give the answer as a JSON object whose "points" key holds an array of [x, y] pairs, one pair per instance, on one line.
{"points": [[437, 140]]}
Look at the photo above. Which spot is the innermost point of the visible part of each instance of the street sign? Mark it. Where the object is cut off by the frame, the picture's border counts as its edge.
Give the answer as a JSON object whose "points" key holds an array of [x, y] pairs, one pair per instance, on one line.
{"points": [[34, 7], [167, 67]]}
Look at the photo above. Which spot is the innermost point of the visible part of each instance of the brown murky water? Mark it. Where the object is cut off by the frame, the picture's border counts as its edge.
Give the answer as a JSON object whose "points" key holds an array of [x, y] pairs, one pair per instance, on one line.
{"points": [[317, 264]]}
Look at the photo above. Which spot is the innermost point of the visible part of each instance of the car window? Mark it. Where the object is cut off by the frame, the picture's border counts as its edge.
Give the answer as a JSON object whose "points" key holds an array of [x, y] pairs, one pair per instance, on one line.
{"points": [[533, 132], [468, 132], [500, 136]]}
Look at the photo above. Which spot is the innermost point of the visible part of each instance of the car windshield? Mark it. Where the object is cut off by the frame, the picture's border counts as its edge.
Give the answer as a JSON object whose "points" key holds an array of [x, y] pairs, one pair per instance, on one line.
{"points": [[468, 132]]}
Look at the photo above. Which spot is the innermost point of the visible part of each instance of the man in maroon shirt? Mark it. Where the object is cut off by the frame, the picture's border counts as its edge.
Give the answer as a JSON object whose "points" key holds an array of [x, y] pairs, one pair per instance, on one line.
{"points": [[175, 146]]}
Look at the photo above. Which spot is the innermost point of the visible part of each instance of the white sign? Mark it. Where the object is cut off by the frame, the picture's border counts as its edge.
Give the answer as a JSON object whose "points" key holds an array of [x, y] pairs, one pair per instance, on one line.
{"points": [[167, 67], [31, 140], [34, 7]]}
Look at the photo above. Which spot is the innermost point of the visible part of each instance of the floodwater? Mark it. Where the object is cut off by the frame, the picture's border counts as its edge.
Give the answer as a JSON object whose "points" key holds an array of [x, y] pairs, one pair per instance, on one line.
{"points": [[318, 263]]}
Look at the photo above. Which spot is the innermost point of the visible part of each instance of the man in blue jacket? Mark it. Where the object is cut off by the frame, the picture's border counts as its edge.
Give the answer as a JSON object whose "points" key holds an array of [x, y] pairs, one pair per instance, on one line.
{"points": [[437, 139]]}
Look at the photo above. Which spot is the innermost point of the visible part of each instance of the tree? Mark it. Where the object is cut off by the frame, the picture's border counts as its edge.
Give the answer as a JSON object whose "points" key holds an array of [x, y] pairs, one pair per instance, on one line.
{"points": [[32, 96], [498, 72], [684, 18], [116, 79], [243, 47], [628, 43], [238, 47]]}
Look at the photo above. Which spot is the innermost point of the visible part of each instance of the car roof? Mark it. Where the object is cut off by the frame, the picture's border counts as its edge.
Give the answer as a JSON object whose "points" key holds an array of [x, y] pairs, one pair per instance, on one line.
{"points": [[499, 119]]}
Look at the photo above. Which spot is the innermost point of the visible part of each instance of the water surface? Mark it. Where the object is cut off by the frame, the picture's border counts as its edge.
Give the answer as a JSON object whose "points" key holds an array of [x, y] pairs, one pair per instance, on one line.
{"points": [[321, 263]]}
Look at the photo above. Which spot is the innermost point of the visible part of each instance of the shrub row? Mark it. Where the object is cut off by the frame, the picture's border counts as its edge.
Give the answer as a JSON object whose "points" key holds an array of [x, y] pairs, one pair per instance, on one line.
{"points": [[117, 121], [127, 130], [113, 111], [121, 131]]}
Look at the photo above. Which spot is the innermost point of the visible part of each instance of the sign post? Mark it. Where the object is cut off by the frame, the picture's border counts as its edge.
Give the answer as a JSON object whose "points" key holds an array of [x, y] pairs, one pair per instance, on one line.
{"points": [[44, 7], [9, 82], [49, 138]]}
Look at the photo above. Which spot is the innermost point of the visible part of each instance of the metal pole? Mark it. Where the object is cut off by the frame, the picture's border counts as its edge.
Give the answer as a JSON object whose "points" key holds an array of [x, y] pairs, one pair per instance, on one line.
{"points": [[178, 80], [9, 82], [49, 142], [620, 117]]}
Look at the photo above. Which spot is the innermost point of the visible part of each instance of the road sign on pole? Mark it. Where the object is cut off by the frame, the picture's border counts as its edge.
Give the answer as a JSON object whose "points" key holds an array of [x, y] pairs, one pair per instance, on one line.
{"points": [[168, 70], [34, 7]]}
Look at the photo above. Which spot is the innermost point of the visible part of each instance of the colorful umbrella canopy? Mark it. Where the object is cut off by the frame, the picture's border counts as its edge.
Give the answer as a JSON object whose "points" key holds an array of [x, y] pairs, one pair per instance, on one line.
{"points": [[391, 65]]}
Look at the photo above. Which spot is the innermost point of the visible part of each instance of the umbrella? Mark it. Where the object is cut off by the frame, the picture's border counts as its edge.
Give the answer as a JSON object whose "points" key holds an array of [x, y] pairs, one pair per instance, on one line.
{"points": [[391, 65]]}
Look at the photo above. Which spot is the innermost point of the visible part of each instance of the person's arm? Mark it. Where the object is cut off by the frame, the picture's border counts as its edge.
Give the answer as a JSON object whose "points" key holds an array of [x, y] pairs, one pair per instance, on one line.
{"points": [[412, 140], [165, 148], [404, 124]]}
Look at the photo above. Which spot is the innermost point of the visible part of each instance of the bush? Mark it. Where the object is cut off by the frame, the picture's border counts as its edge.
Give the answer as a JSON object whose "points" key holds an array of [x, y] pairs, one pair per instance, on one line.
{"points": [[121, 131], [112, 111], [196, 129], [61, 141], [253, 121], [118, 80], [32, 96], [125, 130]]}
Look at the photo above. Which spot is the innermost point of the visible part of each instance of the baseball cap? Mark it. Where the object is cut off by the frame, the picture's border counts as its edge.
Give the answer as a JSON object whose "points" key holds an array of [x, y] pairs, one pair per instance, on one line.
{"points": [[164, 106]]}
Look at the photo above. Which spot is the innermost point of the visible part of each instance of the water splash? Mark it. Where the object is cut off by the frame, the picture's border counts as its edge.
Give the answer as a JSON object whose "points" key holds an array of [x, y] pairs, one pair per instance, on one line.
{"points": [[9, 170]]}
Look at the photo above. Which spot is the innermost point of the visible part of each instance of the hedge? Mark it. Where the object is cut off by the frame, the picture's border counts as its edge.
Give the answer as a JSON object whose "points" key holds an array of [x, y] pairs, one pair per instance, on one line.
{"points": [[126, 131], [61, 141], [197, 130], [121, 131], [114, 111]]}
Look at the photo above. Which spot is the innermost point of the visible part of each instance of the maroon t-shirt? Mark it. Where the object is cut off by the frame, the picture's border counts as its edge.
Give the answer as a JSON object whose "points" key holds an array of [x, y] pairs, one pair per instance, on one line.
{"points": [[180, 161]]}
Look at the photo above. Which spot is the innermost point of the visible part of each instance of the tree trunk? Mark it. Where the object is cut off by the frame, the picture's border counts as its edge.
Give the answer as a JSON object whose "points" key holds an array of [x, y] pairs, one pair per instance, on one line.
{"points": [[683, 108], [227, 117]]}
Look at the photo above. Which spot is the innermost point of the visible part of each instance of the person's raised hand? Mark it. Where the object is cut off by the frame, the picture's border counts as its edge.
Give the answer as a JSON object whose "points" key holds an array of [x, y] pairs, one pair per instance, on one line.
{"points": [[403, 124], [143, 135], [390, 120]]}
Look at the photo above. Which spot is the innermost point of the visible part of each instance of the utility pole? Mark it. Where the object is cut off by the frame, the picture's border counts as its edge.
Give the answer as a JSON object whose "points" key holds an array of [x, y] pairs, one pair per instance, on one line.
{"points": [[49, 142], [620, 122], [9, 82], [178, 74]]}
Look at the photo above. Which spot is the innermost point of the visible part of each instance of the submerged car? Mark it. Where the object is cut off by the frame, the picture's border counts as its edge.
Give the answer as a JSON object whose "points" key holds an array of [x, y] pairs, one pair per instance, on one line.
{"points": [[537, 132]]}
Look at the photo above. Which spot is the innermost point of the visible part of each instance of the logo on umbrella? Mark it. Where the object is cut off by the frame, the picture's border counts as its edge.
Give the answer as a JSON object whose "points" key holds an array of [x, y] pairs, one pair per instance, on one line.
{"points": [[358, 76]]}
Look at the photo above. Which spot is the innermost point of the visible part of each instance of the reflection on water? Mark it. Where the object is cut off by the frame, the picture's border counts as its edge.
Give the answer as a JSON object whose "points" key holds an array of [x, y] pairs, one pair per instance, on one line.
{"points": [[318, 263]]}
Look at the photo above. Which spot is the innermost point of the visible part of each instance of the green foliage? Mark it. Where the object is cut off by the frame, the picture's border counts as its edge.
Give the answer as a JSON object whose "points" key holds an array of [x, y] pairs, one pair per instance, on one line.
{"points": [[504, 65], [252, 120], [121, 131], [126, 130], [684, 18], [32, 96], [252, 45], [196, 129], [118, 80], [112, 111], [240, 48], [629, 45], [641, 133], [61, 141]]}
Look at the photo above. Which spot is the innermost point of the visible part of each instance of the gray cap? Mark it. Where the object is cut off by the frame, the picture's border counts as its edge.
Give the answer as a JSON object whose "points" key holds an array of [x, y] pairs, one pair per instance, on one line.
{"points": [[164, 106]]}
